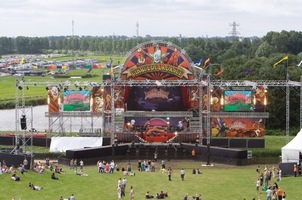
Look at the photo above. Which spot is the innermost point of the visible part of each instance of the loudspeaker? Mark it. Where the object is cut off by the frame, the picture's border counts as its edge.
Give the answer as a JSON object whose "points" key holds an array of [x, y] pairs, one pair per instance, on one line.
{"points": [[23, 122]]}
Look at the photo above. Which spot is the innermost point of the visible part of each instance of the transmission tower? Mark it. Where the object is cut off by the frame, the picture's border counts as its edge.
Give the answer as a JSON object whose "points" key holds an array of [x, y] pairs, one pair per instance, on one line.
{"points": [[234, 33], [137, 29]]}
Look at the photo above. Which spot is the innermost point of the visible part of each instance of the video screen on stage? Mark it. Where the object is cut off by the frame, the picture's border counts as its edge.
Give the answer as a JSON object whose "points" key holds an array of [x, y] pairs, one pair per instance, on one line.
{"points": [[238, 127], [238, 100], [169, 124], [156, 99], [76, 100]]}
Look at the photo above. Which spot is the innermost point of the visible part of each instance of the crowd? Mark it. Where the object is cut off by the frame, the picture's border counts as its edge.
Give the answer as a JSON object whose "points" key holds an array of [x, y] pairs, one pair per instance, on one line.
{"points": [[268, 178], [265, 182]]}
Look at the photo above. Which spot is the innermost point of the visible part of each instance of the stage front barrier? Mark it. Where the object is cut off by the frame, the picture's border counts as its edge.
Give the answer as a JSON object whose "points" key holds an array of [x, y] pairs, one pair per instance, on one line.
{"points": [[62, 144]]}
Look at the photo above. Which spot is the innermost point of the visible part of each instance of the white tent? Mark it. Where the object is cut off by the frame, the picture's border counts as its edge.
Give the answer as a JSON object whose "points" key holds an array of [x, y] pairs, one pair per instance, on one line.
{"points": [[291, 151], [61, 144]]}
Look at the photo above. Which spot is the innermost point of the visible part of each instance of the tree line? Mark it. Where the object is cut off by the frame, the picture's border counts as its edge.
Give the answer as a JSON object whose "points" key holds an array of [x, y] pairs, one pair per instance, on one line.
{"points": [[241, 58]]}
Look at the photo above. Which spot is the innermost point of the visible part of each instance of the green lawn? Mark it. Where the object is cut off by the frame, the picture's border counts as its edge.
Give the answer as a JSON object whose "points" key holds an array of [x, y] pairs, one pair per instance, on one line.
{"points": [[8, 89], [215, 182]]}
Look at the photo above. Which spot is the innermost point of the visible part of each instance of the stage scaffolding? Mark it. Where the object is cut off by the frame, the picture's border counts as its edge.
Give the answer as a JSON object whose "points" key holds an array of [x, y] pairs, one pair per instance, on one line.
{"points": [[112, 122]]}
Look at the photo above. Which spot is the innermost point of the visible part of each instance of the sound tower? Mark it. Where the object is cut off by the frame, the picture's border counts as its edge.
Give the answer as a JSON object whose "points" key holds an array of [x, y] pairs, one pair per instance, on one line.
{"points": [[23, 122]]}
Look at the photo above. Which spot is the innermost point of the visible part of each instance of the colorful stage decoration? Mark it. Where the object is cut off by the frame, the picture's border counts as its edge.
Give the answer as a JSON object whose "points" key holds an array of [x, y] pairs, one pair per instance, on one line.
{"points": [[157, 61], [76, 100], [156, 129], [97, 99], [54, 99], [237, 127], [162, 61]]}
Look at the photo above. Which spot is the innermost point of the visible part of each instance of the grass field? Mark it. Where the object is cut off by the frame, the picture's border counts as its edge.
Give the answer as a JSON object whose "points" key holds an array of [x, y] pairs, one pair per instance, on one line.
{"points": [[8, 89], [215, 182]]}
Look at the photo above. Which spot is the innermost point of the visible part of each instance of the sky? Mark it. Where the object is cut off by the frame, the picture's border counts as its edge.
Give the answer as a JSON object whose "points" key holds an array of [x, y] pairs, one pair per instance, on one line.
{"points": [[172, 18]]}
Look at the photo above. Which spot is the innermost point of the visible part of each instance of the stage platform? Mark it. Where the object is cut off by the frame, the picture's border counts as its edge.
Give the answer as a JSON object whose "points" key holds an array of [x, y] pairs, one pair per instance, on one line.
{"points": [[165, 151]]}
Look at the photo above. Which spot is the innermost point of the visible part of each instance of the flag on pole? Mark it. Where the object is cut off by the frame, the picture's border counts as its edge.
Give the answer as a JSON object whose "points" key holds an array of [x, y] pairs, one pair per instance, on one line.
{"points": [[220, 72], [285, 58], [109, 65], [206, 62], [22, 61], [199, 62]]}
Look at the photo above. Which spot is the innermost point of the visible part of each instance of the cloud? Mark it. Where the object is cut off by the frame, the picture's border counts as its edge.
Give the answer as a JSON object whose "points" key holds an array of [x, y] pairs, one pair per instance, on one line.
{"points": [[156, 17]]}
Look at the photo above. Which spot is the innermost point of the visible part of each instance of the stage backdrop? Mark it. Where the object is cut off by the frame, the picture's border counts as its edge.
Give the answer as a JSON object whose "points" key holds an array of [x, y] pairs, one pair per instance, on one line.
{"points": [[237, 127], [157, 61]]}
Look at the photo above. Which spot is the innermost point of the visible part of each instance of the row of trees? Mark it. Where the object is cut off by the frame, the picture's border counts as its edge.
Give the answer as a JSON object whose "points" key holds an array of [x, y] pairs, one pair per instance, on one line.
{"points": [[241, 58]]}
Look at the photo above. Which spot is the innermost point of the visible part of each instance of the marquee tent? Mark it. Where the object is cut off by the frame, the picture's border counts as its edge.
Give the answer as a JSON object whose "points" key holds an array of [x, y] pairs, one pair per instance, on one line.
{"points": [[291, 151], [61, 144]]}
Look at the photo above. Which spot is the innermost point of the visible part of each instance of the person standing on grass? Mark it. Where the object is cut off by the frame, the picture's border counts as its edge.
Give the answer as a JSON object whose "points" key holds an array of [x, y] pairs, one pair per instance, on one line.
{"points": [[269, 194], [71, 164], [169, 173], [131, 193], [279, 174], [295, 170], [75, 164], [81, 164], [119, 192], [280, 193], [257, 185], [182, 174], [163, 165]]}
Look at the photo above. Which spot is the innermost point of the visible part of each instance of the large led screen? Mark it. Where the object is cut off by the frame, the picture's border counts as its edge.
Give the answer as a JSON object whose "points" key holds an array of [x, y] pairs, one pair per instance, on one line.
{"points": [[238, 100], [156, 99], [76, 100]]}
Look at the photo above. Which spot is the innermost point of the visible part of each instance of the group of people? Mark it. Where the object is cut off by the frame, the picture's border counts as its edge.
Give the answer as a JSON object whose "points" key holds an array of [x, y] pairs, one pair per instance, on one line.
{"points": [[146, 166], [73, 164], [121, 188], [106, 167], [272, 190], [160, 195], [196, 197]]}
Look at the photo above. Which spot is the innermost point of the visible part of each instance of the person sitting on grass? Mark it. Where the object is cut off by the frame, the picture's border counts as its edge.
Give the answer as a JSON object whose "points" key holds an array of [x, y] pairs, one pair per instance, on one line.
{"points": [[149, 196], [33, 187], [81, 173], [15, 177], [57, 169], [53, 176], [161, 195]]}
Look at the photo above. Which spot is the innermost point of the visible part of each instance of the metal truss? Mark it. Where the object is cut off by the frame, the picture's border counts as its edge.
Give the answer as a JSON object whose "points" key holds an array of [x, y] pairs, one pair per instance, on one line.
{"points": [[203, 82]]}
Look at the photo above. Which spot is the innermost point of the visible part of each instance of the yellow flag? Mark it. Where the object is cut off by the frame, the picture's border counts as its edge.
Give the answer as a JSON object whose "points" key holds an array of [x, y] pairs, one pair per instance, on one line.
{"points": [[22, 61], [285, 58]]}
